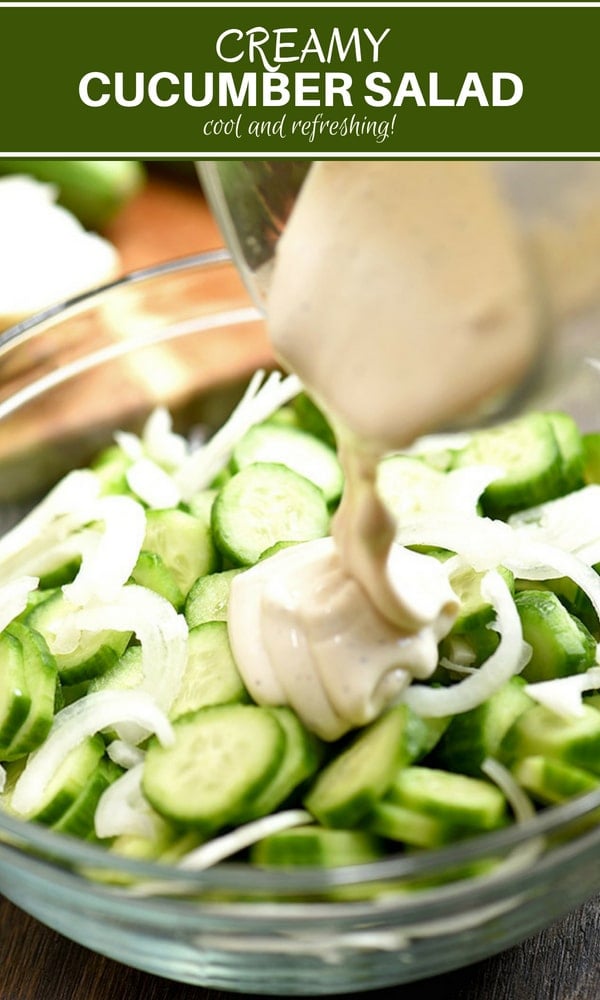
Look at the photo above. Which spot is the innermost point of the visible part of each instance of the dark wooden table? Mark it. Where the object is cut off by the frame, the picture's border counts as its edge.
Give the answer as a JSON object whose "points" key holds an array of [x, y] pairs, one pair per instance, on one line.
{"points": [[562, 963]]}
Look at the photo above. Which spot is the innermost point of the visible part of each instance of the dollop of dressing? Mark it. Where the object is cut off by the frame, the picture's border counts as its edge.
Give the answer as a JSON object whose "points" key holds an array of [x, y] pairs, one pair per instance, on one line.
{"points": [[400, 297]]}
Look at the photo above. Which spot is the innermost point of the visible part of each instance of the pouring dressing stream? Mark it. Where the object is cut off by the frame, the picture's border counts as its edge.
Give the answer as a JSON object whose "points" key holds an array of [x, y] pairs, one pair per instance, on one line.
{"points": [[400, 296]]}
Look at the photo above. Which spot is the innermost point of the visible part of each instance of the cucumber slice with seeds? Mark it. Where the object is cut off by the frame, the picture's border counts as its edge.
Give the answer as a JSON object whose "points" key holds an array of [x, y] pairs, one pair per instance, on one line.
{"points": [[183, 542], [263, 504], [211, 676], [295, 449], [208, 599], [541, 732], [527, 449], [150, 571], [222, 757]]}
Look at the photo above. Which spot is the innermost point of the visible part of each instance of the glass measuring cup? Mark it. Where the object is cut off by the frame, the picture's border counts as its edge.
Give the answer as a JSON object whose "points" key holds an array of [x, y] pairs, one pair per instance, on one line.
{"points": [[557, 208]]}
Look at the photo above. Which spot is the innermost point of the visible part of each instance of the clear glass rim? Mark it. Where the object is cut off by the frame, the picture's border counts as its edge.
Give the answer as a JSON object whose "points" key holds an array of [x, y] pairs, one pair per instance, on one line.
{"points": [[186, 262], [25, 836]]}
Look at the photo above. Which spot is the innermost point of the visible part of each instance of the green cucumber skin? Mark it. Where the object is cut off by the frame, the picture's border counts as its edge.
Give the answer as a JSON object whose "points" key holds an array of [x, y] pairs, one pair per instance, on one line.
{"points": [[222, 758], [541, 732], [560, 644], [528, 450], [474, 735]]}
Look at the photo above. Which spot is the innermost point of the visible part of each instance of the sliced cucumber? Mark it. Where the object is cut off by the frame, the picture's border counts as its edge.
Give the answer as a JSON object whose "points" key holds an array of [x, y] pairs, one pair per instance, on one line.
{"points": [[456, 799], [295, 449], [474, 735], [551, 782], [41, 679], [299, 761], [15, 700], [263, 504], [527, 449], [316, 846], [408, 826], [351, 784], [406, 485], [183, 542], [570, 446], [591, 457], [111, 467], [560, 644], [541, 732], [312, 419], [125, 674], [95, 653], [150, 571], [69, 781], [208, 599], [222, 758], [211, 676], [78, 820]]}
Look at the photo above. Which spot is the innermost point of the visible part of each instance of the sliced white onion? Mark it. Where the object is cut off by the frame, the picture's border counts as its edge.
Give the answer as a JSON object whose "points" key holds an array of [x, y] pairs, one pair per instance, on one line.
{"points": [[123, 809], [461, 489], [483, 543], [242, 837], [13, 598], [258, 402], [130, 444], [428, 443], [64, 510], [152, 484], [80, 544], [539, 561], [126, 755], [75, 723], [519, 802], [563, 694], [508, 659], [161, 631], [161, 444], [104, 573], [569, 522]]}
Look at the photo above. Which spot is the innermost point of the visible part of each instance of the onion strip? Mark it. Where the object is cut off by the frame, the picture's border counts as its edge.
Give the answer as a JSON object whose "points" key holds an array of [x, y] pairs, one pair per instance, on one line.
{"points": [[123, 809], [508, 659], [242, 837], [13, 598], [258, 402], [75, 723]]}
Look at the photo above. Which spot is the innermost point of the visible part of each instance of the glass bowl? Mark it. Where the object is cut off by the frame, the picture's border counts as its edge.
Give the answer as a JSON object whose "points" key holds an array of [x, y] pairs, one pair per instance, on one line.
{"points": [[186, 334]]}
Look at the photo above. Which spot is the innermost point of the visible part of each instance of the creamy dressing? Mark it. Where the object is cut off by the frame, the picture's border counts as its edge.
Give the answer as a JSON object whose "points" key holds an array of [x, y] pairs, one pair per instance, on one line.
{"points": [[400, 296]]}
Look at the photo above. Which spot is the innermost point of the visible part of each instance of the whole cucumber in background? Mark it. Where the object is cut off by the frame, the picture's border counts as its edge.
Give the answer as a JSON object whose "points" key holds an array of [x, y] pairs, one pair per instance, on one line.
{"points": [[93, 190]]}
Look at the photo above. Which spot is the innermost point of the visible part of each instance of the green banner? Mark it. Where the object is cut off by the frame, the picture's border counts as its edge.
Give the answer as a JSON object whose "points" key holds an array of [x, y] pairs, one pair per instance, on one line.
{"points": [[202, 80]]}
